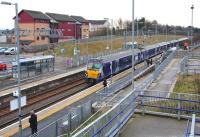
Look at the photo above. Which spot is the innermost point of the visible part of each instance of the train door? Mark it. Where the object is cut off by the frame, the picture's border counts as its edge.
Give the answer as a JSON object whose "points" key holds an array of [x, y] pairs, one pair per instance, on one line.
{"points": [[106, 69], [114, 66]]}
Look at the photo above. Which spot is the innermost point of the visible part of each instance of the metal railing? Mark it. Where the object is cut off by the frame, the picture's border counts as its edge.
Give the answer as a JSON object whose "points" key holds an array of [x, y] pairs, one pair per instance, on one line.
{"points": [[173, 104], [192, 129], [183, 65], [110, 122], [159, 68], [186, 68]]}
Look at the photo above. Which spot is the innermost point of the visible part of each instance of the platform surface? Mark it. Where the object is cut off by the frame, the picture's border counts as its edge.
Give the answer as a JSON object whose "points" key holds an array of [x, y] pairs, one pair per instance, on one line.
{"points": [[39, 82]]}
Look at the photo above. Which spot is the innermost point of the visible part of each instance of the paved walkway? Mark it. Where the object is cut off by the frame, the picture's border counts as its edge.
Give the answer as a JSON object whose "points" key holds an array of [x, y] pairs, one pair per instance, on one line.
{"points": [[165, 82], [153, 126]]}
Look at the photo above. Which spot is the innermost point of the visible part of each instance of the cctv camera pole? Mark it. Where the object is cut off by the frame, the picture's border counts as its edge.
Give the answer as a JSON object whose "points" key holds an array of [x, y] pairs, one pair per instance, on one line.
{"points": [[18, 70]]}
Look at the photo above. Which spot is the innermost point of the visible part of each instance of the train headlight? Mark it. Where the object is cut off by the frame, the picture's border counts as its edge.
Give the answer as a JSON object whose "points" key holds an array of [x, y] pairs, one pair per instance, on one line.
{"points": [[86, 73]]}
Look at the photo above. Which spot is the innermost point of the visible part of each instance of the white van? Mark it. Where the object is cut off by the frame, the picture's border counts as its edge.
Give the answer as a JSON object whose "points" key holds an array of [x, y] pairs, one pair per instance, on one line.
{"points": [[11, 51]]}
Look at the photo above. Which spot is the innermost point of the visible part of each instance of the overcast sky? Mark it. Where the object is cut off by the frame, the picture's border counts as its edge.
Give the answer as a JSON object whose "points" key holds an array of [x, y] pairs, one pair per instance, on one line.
{"points": [[171, 12]]}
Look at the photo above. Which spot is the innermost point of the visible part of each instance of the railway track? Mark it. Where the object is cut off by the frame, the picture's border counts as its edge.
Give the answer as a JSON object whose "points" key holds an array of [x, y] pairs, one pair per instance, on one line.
{"points": [[42, 99]]}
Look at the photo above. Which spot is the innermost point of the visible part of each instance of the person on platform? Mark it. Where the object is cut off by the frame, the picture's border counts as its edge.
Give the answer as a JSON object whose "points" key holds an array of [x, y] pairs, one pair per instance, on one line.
{"points": [[33, 122], [104, 82]]}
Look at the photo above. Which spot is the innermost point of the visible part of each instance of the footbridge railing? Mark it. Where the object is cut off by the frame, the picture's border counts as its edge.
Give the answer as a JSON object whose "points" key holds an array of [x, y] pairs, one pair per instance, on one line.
{"points": [[192, 129]]}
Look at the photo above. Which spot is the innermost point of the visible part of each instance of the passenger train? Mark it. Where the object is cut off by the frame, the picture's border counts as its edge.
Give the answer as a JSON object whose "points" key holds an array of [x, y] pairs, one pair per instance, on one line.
{"points": [[100, 68]]}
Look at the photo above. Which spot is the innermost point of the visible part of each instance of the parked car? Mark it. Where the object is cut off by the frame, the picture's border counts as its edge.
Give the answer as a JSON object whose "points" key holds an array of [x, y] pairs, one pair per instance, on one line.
{"points": [[3, 66], [2, 50], [11, 51]]}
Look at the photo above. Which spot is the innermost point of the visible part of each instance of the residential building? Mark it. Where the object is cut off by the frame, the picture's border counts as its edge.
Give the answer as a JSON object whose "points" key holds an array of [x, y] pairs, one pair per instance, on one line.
{"points": [[70, 27], [33, 26], [97, 25], [3, 38], [84, 26]]}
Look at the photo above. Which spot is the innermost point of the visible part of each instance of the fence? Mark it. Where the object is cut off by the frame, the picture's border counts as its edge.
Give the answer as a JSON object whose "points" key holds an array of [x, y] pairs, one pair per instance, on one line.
{"points": [[110, 122], [187, 68], [67, 123], [173, 104]]}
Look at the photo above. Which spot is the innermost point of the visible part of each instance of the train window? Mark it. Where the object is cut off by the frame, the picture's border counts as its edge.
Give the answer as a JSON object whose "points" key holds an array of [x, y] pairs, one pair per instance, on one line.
{"points": [[96, 66]]}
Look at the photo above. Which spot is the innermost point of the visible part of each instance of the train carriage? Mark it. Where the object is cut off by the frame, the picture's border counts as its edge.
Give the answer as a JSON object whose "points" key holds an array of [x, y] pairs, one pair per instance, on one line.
{"points": [[100, 68]]}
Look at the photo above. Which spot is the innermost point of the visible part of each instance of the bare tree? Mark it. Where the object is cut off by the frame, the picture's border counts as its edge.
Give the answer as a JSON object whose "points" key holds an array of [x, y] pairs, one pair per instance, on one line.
{"points": [[120, 23]]}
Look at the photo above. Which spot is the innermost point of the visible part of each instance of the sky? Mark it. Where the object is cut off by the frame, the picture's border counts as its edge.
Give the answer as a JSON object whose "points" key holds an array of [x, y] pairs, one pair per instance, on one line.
{"points": [[171, 12]]}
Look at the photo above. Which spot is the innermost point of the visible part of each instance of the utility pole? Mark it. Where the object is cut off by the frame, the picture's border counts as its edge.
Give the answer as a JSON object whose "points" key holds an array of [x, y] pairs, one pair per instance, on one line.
{"points": [[133, 29]]}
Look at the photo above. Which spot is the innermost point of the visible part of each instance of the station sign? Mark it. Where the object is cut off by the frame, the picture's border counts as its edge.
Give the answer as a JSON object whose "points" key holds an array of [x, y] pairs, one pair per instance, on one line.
{"points": [[14, 103]]}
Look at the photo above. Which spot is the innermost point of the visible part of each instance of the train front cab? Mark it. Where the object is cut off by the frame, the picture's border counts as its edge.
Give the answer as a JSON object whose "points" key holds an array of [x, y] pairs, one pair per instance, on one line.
{"points": [[93, 72]]}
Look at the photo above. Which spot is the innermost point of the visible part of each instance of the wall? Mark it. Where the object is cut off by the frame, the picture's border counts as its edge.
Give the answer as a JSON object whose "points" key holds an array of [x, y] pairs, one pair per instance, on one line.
{"points": [[32, 35], [85, 30]]}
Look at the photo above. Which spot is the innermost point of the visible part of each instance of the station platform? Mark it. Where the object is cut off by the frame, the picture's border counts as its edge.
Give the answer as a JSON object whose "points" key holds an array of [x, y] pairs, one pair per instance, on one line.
{"points": [[42, 81]]}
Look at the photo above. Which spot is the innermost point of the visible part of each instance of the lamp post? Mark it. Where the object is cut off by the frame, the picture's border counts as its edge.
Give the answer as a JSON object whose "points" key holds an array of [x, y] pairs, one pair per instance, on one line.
{"points": [[107, 47], [75, 38], [87, 37], [192, 8], [110, 43], [166, 34], [156, 29], [18, 64], [139, 22], [133, 29]]}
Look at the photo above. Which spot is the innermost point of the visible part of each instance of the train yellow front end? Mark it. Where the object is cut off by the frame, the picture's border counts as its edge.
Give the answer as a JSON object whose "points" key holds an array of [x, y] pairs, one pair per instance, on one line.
{"points": [[93, 74]]}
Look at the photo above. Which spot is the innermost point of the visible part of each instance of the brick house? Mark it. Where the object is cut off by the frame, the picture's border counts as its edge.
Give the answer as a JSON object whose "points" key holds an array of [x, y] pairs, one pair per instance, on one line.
{"points": [[84, 26], [31, 24], [70, 27]]}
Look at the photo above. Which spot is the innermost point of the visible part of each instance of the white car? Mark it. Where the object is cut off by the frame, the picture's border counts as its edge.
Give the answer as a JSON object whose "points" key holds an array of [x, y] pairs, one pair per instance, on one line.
{"points": [[11, 51]]}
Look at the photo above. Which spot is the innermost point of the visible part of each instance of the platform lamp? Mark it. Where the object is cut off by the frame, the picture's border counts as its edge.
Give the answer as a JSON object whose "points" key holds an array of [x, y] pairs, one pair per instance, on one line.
{"points": [[133, 29], [111, 39], [18, 64], [107, 19]]}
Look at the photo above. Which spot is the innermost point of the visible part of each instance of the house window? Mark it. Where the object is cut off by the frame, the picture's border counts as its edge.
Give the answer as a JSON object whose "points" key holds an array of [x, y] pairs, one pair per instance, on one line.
{"points": [[43, 38], [38, 38]]}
